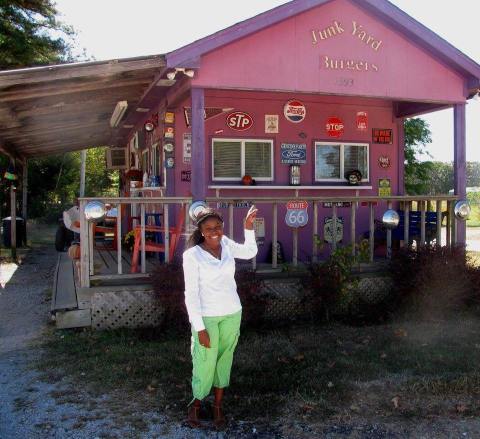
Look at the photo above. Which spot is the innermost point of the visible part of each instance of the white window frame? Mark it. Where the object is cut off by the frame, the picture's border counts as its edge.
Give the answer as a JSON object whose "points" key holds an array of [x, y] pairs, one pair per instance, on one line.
{"points": [[342, 162], [242, 158]]}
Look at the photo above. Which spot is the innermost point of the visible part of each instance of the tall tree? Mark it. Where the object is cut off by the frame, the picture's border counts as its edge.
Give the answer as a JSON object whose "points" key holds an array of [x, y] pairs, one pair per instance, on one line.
{"points": [[31, 34], [417, 136]]}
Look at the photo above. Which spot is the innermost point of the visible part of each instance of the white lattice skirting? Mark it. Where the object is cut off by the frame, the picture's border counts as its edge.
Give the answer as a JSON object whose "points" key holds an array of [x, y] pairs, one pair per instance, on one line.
{"points": [[126, 309]]}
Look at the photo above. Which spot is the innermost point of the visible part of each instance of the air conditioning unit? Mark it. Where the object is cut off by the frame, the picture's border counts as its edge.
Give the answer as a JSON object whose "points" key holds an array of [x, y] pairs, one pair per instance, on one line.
{"points": [[117, 158]]}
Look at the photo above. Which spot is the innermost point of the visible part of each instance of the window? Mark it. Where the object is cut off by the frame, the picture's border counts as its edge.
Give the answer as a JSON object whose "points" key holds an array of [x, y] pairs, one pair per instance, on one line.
{"points": [[334, 160], [232, 159]]}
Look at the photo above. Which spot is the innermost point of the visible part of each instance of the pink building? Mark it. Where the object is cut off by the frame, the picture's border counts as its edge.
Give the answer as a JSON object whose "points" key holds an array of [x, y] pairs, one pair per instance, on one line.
{"points": [[322, 85]]}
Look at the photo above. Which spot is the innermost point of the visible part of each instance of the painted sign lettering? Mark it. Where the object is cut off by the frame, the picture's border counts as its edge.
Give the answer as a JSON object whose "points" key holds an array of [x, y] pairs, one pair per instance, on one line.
{"points": [[293, 153], [294, 111], [334, 126], [297, 215], [239, 121], [362, 120], [384, 162], [382, 135]]}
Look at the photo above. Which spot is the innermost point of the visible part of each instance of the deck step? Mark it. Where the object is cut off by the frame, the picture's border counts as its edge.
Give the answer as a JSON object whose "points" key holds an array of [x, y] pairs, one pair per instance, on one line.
{"points": [[64, 288], [73, 319]]}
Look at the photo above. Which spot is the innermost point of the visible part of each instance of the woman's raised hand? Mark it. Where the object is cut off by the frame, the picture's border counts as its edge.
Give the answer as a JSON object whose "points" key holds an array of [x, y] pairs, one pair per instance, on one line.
{"points": [[250, 218]]}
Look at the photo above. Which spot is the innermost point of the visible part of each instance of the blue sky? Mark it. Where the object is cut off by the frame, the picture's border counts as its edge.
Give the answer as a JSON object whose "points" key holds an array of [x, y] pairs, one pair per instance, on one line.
{"points": [[117, 28]]}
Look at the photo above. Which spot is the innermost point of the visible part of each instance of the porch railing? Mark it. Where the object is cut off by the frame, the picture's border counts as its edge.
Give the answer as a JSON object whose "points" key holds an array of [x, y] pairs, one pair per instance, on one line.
{"points": [[439, 204]]}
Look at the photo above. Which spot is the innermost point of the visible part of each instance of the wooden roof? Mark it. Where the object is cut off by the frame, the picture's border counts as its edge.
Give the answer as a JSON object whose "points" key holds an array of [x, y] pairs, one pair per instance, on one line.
{"points": [[61, 108]]}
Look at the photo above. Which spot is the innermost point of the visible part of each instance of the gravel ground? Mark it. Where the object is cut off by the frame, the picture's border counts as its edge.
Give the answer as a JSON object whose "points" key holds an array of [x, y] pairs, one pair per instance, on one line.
{"points": [[30, 408]]}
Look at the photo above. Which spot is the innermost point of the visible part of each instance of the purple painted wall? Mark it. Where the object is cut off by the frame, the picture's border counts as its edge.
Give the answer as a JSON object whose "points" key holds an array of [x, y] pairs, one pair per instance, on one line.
{"points": [[287, 56], [318, 109]]}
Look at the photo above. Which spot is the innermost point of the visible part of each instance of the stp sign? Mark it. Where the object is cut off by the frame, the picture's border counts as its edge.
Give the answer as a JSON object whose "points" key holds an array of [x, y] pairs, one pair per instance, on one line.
{"points": [[239, 121], [296, 215], [334, 126]]}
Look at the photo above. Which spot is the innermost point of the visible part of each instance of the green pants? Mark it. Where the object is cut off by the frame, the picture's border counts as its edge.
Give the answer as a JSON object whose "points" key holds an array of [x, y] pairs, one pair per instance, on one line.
{"points": [[211, 366]]}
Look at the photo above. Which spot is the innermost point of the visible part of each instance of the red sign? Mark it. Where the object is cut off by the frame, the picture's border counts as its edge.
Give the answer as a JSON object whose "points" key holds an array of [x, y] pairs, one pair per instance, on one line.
{"points": [[294, 111], [239, 121], [362, 120], [384, 161], [382, 135], [334, 126], [297, 205]]}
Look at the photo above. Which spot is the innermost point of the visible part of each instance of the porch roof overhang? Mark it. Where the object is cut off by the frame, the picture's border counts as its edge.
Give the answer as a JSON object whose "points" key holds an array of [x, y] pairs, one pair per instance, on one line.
{"points": [[61, 108]]}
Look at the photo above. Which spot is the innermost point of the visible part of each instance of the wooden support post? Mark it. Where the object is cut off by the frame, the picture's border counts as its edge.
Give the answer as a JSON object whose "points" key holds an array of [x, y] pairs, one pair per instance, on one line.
{"points": [[13, 221], [406, 224], [83, 165], [274, 235], [198, 184], [459, 228], [439, 222], [166, 221], [119, 239], [334, 227], [315, 233], [84, 249], [454, 224], [230, 220], [372, 231], [389, 236], [142, 238], [91, 241], [422, 223], [352, 228], [449, 225], [295, 246], [25, 197]]}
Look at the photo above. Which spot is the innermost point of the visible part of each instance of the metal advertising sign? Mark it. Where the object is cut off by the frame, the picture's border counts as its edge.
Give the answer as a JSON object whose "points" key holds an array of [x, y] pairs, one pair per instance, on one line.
{"points": [[239, 121], [293, 153], [297, 215], [334, 126], [187, 147], [271, 123], [384, 162], [331, 231], [384, 187], [382, 135], [337, 204], [362, 120], [294, 111], [186, 176]]}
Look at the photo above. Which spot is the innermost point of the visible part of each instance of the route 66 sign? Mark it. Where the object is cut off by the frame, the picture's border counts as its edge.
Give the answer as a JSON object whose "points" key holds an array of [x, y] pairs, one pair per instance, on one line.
{"points": [[296, 215]]}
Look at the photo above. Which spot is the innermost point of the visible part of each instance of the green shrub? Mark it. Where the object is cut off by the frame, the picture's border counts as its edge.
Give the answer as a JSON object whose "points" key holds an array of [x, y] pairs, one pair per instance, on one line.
{"points": [[433, 282]]}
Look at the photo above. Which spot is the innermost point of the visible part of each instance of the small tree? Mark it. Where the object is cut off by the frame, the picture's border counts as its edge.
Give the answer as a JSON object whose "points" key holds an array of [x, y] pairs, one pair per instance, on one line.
{"points": [[417, 173]]}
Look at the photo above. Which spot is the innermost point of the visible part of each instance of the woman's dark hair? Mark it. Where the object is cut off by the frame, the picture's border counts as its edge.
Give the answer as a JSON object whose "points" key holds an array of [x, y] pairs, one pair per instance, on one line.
{"points": [[196, 237]]}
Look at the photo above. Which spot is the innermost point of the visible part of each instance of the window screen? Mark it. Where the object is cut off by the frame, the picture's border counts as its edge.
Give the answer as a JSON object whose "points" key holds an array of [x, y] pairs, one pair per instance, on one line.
{"points": [[327, 162], [226, 159], [356, 157], [258, 159]]}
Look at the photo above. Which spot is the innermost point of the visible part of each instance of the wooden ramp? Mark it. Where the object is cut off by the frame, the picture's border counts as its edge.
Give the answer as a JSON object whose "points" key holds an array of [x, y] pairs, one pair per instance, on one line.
{"points": [[65, 301]]}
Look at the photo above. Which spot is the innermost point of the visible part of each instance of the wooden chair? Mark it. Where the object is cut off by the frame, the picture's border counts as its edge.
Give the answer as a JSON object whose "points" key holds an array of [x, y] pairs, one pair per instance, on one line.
{"points": [[152, 246], [100, 234]]}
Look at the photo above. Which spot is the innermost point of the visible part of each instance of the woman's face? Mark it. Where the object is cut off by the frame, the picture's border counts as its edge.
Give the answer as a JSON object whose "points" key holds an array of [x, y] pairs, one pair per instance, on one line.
{"points": [[212, 231]]}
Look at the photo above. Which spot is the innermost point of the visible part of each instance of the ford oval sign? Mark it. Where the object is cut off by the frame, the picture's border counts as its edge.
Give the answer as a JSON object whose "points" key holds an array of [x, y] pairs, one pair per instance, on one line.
{"points": [[294, 111], [239, 121]]}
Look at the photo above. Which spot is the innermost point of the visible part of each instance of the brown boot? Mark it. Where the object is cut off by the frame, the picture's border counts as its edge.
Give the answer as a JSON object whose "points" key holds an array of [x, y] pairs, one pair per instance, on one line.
{"points": [[193, 418], [218, 417]]}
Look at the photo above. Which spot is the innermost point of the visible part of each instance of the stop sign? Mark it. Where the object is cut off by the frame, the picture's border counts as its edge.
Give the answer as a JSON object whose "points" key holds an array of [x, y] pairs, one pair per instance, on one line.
{"points": [[334, 126]]}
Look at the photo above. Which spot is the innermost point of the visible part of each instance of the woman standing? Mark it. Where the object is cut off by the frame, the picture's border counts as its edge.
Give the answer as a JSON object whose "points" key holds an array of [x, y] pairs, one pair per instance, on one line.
{"points": [[213, 306]]}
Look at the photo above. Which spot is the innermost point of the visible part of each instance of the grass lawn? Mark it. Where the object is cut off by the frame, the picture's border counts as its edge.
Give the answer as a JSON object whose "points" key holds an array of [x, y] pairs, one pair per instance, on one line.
{"points": [[310, 373]]}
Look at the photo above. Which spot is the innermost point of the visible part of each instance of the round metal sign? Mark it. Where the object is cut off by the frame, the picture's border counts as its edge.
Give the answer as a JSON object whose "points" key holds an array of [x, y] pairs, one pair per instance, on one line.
{"points": [[294, 111], [239, 121], [297, 215], [334, 126]]}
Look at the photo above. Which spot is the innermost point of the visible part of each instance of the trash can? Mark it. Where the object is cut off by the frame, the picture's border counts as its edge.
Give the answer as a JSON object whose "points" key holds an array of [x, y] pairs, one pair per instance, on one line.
{"points": [[7, 223]]}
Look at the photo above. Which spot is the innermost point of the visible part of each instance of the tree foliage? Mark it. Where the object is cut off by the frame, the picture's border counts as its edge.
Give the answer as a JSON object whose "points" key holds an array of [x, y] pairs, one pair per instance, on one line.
{"points": [[54, 182], [31, 34], [417, 173]]}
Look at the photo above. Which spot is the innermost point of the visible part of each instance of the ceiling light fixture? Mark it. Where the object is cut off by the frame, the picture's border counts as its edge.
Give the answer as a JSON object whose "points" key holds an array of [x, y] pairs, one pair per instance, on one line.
{"points": [[187, 72], [118, 113]]}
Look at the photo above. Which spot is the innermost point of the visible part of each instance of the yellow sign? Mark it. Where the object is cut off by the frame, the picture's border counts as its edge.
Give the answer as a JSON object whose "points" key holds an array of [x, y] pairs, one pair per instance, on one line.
{"points": [[384, 187]]}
